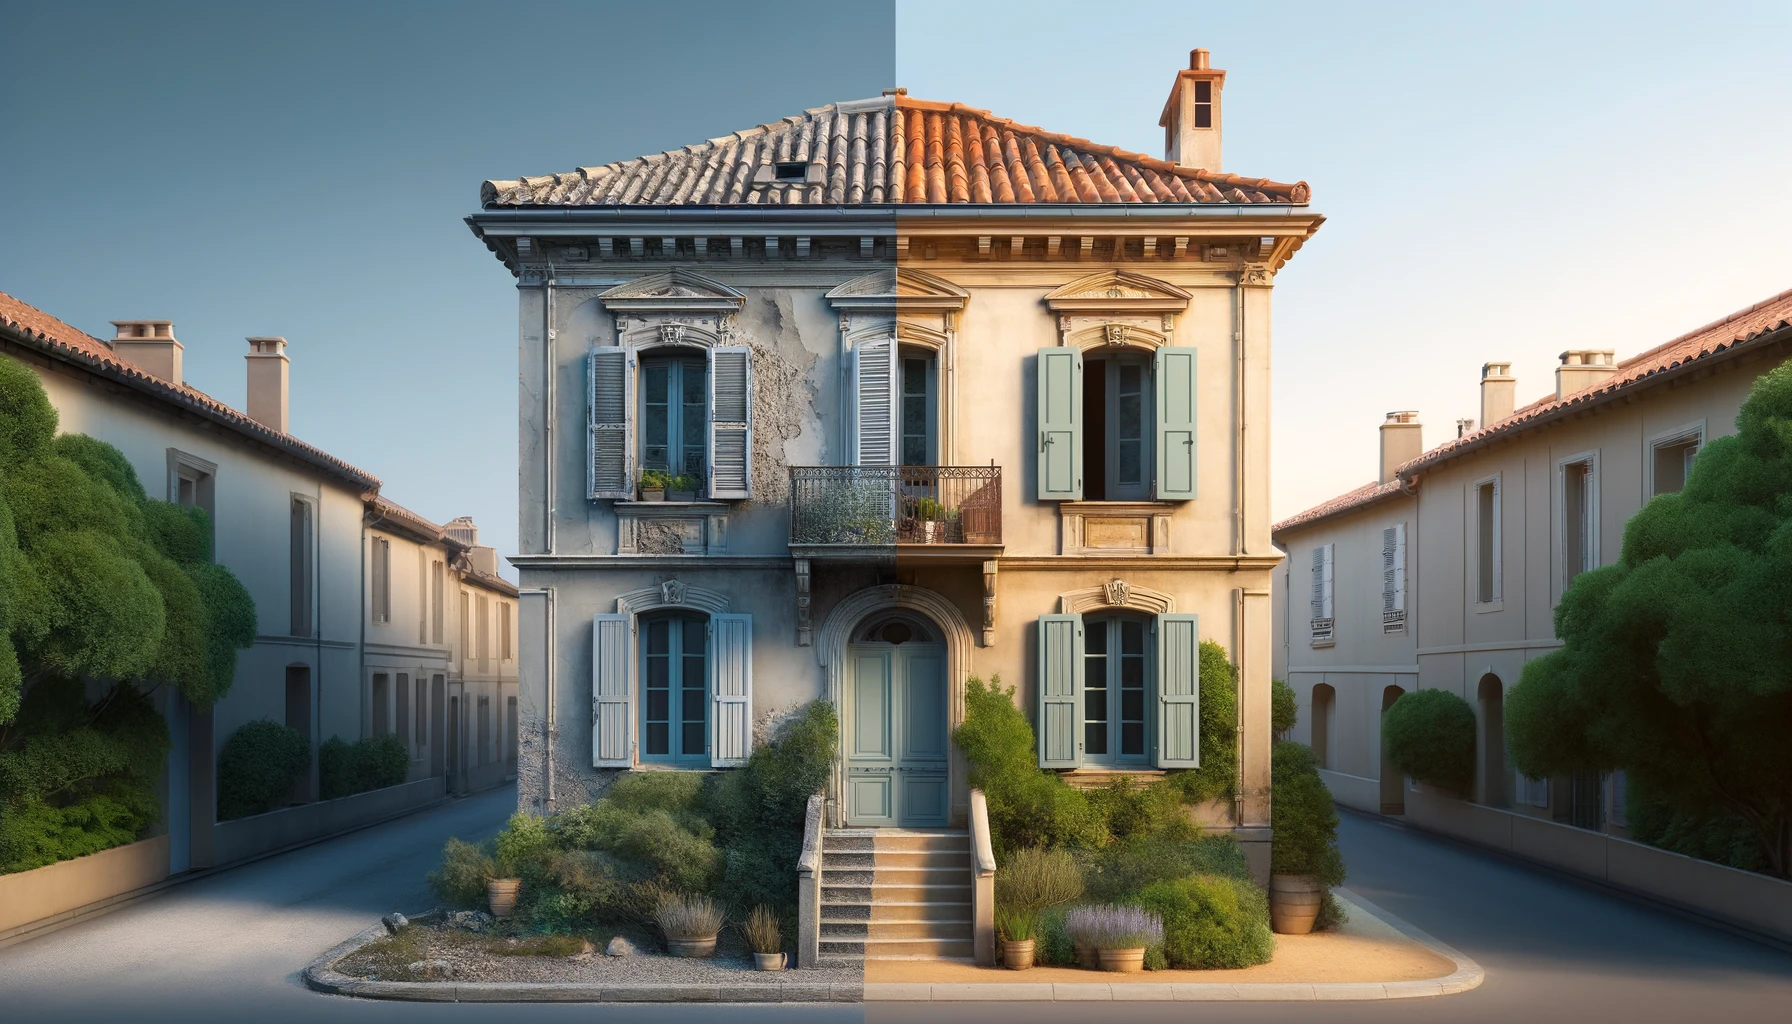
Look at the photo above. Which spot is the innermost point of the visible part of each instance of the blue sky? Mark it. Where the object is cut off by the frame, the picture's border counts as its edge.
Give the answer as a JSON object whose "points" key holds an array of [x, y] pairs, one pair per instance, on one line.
{"points": [[1501, 181]]}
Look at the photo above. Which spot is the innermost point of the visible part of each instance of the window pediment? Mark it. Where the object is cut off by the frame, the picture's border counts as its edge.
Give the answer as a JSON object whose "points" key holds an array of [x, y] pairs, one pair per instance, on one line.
{"points": [[674, 291], [898, 289], [1117, 291]]}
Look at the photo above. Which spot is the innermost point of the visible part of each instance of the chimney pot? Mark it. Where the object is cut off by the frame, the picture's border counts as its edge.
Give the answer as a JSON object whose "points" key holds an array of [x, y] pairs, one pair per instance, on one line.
{"points": [[1582, 368], [150, 346], [1402, 440], [1499, 392], [268, 383], [1197, 60]]}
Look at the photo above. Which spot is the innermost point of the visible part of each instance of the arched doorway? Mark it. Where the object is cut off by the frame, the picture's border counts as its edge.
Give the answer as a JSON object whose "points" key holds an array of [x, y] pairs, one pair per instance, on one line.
{"points": [[895, 734], [1319, 729], [1490, 725], [1393, 787]]}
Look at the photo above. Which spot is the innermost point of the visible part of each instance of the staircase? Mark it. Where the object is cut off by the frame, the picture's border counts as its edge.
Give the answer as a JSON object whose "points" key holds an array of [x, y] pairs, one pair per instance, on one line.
{"points": [[895, 894]]}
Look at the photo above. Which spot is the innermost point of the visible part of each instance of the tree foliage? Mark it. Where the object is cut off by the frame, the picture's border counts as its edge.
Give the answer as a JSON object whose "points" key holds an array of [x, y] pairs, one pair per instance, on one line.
{"points": [[1676, 664], [1430, 735]]}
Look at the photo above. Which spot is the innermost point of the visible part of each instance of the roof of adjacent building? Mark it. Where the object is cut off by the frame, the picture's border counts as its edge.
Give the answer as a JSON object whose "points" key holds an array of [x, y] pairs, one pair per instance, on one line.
{"points": [[41, 331], [890, 150], [1728, 334], [1372, 493], [393, 514]]}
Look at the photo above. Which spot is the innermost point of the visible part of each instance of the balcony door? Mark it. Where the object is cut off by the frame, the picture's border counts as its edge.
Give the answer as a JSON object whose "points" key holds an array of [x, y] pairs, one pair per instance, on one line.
{"points": [[894, 724]]}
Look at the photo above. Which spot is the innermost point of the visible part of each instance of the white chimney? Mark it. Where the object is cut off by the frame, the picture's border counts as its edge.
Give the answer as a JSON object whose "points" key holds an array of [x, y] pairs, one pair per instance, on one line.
{"points": [[150, 346], [461, 530], [1191, 118], [1499, 392], [1401, 441], [1583, 368], [268, 382]]}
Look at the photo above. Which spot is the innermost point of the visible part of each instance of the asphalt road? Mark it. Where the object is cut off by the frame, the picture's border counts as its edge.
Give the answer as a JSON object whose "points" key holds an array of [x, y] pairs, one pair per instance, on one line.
{"points": [[229, 947]]}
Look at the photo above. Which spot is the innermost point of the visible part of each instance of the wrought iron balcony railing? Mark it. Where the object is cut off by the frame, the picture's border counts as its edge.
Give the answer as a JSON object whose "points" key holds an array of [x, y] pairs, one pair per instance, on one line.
{"points": [[881, 505]]}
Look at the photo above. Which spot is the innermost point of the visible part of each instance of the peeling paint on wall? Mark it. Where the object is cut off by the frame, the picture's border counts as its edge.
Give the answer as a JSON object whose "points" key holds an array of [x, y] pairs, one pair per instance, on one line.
{"points": [[783, 398]]}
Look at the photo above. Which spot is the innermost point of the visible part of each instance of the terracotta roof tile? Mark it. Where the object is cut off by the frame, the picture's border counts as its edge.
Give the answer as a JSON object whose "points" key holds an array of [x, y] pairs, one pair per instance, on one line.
{"points": [[1739, 328], [1362, 497], [40, 330], [893, 150]]}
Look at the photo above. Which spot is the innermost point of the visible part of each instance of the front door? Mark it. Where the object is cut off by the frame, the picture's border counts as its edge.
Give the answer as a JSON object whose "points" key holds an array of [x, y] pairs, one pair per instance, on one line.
{"points": [[895, 735]]}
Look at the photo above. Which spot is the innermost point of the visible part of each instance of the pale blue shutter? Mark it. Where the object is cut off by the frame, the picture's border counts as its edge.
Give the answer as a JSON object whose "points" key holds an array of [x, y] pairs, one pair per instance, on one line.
{"points": [[612, 709], [730, 422], [1178, 691], [1060, 691], [1175, 424], [874, 386], [1060, 379], [731, 654], [607, 447]]}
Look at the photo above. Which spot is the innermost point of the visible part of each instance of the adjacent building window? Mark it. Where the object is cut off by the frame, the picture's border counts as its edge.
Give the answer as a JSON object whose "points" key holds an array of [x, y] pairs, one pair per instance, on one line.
{"points": [[420, 730], [674, 688], [1670, 461], [483, 744], [920, 412], [401, 716], [422, 596], [466, 626], [1319, 730], [510, 730], [1393, 579], [381, 710], [483, 610], [381, 572], [1322, 627], [1119, 426], [436, 603], [1116, 675], [504, 652], [302, 560], [675, 415], [1487, 541], [1579, 518]]}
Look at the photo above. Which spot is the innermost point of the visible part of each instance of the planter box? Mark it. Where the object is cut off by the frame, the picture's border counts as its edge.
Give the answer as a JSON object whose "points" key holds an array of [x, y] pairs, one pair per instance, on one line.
{"points": [[264, 833], [31, 899]]}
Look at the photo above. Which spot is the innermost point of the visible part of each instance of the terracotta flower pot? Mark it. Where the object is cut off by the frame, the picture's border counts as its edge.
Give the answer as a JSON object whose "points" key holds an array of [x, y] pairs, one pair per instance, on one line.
{"points": [[1088, 957], [768, 961], [1017, 954], [1294, 903], [500, 893], [692, 947], [1126, 961]]}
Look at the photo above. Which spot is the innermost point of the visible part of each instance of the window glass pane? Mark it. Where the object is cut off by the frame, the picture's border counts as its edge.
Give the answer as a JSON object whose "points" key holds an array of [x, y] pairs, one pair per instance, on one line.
{"points": [[1203, 92], [694, 421], [1095, 689], [1130, 460], [1132, 688], [656, 738]]}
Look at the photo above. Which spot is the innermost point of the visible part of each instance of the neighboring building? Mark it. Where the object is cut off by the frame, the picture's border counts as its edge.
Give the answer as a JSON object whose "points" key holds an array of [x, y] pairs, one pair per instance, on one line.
{"points": [[961, 397], [1499, 521], [295, 525]]}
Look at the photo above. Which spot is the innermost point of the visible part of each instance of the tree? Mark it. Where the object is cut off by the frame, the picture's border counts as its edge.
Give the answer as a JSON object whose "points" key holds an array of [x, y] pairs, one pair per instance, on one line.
{"points": [[1676, 664], [1430, 735]]}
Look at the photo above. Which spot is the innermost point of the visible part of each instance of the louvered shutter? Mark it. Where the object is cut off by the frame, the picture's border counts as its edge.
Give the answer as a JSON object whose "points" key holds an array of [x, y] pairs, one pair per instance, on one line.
{"points": [[1060, 691], [1175, 424], [874, 384], [608, 450], [1178, 691], [730, 422], [1393, 578], [731, 654], [1060, 381], [1322, 594], [612, 706], [1498, 582]]}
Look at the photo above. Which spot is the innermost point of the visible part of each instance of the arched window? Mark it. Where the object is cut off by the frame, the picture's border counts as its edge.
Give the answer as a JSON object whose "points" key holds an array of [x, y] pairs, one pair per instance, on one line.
{"points": [[675, 688], [1490, 721], [899, 628], [1393, 783], [1324, 702]]}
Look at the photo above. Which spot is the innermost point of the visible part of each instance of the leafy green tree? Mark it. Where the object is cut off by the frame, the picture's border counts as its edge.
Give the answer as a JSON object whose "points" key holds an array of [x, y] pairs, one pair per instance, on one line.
{"points": [[1284, 707], [1676, 664], [1430, 735]]}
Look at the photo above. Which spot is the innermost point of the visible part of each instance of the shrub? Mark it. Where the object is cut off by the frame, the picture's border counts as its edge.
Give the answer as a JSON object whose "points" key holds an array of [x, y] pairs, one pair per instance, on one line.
{"points": [[1219, 731], [1303, 820], [460, 880], [258, 767], [1027, 807], [758, 810], [1053, 945], [1117, 871], [1211, 921], [1284, 709], [1035, 879], [762, 931], [27, 419], [344, 769], [1430, 735], [685, 916], [1131, 812]]}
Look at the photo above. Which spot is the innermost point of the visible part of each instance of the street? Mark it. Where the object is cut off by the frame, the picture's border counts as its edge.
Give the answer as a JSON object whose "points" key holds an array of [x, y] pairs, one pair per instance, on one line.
{"points": [[230, 946]]}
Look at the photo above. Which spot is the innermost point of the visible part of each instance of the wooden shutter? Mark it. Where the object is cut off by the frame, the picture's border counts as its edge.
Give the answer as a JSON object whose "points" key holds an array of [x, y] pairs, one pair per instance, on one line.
{"points": [[1178, 691], [731, 655], [1175, 424], [1393, 579], [730, 422], [612, 703], [874, 385], [609, 454], [1060, 380], [1060, 691]]}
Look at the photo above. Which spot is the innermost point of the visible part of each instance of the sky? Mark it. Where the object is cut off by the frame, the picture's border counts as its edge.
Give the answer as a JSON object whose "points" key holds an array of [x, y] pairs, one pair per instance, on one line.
{"points": [[1500, 181]]}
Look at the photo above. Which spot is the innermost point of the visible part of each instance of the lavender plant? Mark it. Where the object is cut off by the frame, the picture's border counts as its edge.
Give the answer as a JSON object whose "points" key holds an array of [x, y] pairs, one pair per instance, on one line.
{"points": [[1112, 927]]}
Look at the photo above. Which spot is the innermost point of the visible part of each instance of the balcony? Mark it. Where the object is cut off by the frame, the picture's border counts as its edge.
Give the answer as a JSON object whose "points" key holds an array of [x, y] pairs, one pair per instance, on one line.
{"points": [[932, 513]]}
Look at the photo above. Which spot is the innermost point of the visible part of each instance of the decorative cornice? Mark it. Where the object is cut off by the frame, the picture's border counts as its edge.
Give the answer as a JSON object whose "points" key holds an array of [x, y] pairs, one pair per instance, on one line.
{"points": [[673, 291], [1117, 291]]}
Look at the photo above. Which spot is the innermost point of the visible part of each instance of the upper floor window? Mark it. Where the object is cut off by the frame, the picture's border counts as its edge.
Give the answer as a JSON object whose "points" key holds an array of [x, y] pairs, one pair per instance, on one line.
{"points": [[677, 409], [437, 609], [674, 415], [1579, 517], [1119, 689], [301, 558], [920, 410], [381, 573], [1117, 446], [504, 652], [1393, 579], [1116, 426], [1671, 462], [1487, 541]]}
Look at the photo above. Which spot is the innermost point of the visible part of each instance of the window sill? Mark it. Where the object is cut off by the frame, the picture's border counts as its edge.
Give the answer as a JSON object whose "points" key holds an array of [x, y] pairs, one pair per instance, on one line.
{"points": [[1102, 776], [641, 506], [1482, 608], [1316, 644]]}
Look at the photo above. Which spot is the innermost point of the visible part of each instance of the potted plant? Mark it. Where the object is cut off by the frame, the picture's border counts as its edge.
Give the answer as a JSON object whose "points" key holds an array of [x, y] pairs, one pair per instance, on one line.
{"points": [[682, 487], [765, 939], [927, 513], [653, 484], [1079, 927], [690, 924], [1304, 862], [1017, 928], [1122, 934]]}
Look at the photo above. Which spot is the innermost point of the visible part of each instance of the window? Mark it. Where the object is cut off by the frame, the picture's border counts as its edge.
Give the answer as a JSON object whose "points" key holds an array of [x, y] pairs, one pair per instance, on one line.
{"points": [[674, 415], [1670, 461], [1487, 541], [510, 730], [382, 579], [436, 612], [791, 171], [1617, 791], [466, 626], [401, 717], [674, 688], [1393, 579], [1325, 701], [298, 699], [483, 741], [381, 712], [192, 481], [420, 730], [504, 653], [422, 596], [1203, 104], [919, 411], [301, 561], [483, 610], [1322, 626], [1580, 500], [1116, 665], [1121, 428]]}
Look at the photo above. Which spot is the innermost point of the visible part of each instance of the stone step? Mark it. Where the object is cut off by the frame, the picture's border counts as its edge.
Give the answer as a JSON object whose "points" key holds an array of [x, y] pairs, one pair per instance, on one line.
{"points": [[881, 875], [880, 893], [957, 859], [880, 930], [893, 841], [953, 911], [899, 949]]}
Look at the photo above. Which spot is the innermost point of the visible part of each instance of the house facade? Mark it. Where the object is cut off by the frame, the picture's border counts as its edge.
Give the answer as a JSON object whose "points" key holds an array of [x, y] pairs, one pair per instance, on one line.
{"points": [[939, 396], [1498, 521]]}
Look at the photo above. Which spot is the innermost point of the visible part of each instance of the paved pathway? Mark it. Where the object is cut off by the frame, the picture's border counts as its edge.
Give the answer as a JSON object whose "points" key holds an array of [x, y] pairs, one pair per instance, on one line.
{"points": [[229, 947]]}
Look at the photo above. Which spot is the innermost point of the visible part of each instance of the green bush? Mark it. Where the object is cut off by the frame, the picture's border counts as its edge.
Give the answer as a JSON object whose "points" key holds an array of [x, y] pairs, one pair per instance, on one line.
{"points": [[1033, 880], [344, 769], [1219, 731], [1132, 812], [461, 877], [1717, 836], [1284, 708], [27, 419], [758, 811], [1116, 871], [258, 767], [1211, 921], [1027, 807], [1430, 735], [1303, 820]]}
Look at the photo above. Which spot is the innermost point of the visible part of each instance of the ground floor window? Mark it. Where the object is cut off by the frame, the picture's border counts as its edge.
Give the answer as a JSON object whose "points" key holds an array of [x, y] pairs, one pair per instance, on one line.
{"points": [[1115, 674], [1118, 689], [674, 688]]}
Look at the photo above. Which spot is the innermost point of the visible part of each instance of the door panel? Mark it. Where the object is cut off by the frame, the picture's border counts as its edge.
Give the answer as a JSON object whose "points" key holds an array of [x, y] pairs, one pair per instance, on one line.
{"points": [[871, 717], [924, 707], [896, 742]]}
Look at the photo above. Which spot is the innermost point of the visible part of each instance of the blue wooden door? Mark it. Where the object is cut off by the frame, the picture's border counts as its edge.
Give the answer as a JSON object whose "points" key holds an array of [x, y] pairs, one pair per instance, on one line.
{"points": [[896, 738]]}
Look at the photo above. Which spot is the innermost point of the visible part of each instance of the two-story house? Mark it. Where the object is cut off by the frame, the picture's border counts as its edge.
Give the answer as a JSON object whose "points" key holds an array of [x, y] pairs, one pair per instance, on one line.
{"points": [[942, 396]]}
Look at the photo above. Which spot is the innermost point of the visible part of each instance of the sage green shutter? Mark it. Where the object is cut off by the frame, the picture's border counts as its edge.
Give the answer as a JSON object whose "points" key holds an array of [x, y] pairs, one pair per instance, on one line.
{"points": [[1060, 380], [607, 451], [730, 421], [1178, 691], [731, 693], [1175, 424], [612, 706], [1060, 691]]}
